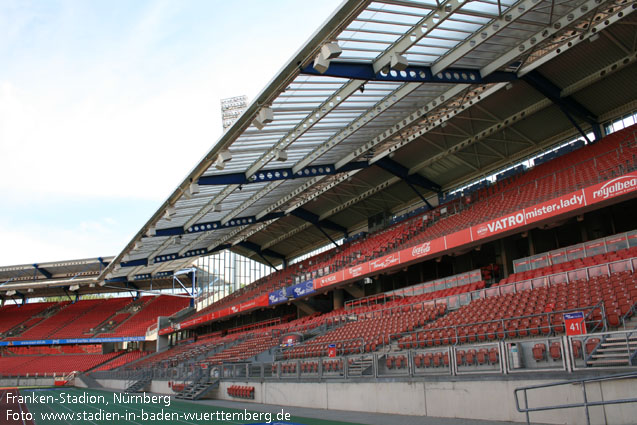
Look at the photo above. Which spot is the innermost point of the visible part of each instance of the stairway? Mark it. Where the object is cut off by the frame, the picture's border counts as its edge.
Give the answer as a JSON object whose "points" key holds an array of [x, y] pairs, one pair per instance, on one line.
{"points": [[361, 367], [199, 388], [139, 384], [615, 351]]}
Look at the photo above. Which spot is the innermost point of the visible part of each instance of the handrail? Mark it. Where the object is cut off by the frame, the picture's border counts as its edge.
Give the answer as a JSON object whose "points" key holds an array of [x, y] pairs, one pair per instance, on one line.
{"points": [[586, 404], [629, 314]]}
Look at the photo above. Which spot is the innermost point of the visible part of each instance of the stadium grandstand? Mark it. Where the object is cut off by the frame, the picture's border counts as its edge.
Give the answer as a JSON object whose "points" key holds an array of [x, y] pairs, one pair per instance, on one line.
{"points": [[428, 212]]}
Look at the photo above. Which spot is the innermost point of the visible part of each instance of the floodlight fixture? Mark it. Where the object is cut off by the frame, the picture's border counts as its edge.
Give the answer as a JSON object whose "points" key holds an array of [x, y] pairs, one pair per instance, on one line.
{"points": [[398, 62], [280, 155], [331, 51], [170, 212]]}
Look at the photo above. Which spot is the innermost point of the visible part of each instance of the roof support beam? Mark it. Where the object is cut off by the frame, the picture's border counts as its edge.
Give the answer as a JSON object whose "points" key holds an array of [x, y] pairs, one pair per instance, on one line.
{"points": [[314, 219], [401, 171], [43, 271], [569, 106], [412, 180], [306, 215], [260, 252], [278, 174], [412, 74]]}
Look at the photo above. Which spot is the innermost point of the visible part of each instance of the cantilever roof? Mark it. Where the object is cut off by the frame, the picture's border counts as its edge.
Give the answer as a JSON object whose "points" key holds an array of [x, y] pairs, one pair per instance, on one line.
{"points": [[363, 137]]}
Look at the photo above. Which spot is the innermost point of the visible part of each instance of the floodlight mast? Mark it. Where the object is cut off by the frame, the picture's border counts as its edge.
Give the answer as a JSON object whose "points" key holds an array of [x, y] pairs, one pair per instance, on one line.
{"points": [[231, 109]]}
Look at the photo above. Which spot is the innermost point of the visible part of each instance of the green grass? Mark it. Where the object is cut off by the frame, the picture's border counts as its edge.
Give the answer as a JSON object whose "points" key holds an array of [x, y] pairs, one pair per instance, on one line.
{"points": [[136, 410]]}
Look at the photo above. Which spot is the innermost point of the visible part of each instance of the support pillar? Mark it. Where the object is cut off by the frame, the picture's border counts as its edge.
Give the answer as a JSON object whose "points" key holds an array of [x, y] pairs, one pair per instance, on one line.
{"points": [[338, 299]]}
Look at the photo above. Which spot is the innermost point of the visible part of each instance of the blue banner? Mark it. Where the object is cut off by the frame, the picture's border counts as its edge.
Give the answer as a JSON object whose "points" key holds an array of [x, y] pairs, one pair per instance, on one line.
{"points": [[302, 289], [278, 296], [71, 341], [295, 291]]}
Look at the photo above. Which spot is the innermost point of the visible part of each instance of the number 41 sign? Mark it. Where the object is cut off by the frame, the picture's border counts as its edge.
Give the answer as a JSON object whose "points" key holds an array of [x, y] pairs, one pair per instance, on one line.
{"points": [[574, 323]]}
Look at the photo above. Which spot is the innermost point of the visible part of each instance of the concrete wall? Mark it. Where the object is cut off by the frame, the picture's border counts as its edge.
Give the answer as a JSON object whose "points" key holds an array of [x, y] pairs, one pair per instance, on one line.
{"points": [[488, 400], [26, 382], [156, 386]]}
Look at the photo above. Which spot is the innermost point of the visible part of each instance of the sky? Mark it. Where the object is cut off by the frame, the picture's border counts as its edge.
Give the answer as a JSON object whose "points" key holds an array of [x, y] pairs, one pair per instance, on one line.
{"points": [[105, 106]]}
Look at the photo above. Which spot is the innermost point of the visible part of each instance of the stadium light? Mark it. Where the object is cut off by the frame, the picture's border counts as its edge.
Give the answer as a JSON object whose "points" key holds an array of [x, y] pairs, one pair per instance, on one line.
{"points": [[11, 293], [222, 158], [170, 212], [280, 155], [74, 287], [398, 62], [193, 189], [265, 116], [328, 52]]}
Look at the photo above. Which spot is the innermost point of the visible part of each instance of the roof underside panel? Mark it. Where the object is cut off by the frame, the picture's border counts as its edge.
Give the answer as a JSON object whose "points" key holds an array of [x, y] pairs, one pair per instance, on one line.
{"points": [[329, 132]]}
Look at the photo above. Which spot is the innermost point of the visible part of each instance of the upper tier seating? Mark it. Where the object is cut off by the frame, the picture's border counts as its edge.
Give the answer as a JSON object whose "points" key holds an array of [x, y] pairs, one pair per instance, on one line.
{"points": [[137, 325], [83, 326], [13, 315], [613, 155]]}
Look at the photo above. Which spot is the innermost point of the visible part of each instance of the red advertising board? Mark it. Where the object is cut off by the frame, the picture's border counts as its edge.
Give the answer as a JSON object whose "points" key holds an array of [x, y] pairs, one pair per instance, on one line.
{"points": [[384, 262], [356, 271], [461, 237], [555, 206], [422, 250], [329, 280], [611, 188], [497, 226]]}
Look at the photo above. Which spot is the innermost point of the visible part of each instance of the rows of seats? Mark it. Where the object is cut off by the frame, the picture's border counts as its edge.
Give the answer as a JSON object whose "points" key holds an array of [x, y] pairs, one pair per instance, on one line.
{"points": [[529, 312], [13, 315], [122, 360], [137, 325], [544, 181], [31, 350], [48, 325], [366, 334], [51, 364], [575, 264], [252, 345], [85, 318], [182, 352], [83, 325], [241, 391]]}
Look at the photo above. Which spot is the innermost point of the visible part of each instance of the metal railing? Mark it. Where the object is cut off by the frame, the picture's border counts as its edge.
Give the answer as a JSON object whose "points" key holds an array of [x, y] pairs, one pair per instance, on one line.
{"points": [[586, 403], [501, 332]]}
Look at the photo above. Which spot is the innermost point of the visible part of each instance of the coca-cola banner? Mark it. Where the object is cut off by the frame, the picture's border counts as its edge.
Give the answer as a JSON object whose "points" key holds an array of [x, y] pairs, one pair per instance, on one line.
{"points": [[422, 250]]}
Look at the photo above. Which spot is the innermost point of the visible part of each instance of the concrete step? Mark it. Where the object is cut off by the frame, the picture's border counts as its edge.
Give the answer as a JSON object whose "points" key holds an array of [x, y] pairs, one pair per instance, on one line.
{"points": [[609, 362], [609, 355]]}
